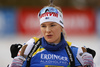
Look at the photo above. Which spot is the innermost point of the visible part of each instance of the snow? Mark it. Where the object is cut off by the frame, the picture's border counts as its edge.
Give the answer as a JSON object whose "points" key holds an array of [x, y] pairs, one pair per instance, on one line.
{"points": [[88, 41]]}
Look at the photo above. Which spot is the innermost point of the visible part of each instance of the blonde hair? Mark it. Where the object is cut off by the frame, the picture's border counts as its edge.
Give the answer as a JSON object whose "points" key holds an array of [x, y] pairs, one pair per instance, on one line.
{"points": [[64, 33]]}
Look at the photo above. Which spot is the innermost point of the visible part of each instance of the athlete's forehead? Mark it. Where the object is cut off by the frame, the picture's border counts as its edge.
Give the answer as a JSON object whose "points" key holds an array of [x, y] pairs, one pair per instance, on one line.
{"points": [[48, 23]]}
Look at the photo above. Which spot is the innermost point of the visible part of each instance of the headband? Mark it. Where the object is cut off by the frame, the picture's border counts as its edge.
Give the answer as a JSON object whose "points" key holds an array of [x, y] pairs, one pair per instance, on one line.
{"points": [[50, 14]]}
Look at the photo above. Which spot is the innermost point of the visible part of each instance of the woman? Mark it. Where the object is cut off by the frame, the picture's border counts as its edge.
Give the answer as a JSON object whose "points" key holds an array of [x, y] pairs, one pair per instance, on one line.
{"points": [[52, 52]]}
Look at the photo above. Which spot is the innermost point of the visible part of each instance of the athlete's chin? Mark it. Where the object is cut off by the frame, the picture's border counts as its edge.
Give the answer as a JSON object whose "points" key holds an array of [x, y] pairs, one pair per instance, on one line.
{"points": [[50, 40]]}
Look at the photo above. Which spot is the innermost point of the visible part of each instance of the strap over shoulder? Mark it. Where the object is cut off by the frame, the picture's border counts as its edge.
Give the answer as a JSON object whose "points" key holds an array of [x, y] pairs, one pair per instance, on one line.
{"points": [[70, 54], [34, 48]]}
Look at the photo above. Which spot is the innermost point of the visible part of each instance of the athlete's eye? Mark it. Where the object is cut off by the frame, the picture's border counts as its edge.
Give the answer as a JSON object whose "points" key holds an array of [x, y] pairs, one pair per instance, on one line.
{"points": [[43, 26], [53, 25]]}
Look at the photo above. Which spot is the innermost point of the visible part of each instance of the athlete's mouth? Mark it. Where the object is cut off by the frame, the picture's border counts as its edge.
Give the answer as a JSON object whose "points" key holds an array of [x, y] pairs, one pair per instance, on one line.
{"points": [[49, 36]]}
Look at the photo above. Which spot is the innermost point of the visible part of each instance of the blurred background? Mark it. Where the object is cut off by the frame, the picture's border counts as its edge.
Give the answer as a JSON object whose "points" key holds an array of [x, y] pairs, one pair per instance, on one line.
{"points": [[19, 22]]}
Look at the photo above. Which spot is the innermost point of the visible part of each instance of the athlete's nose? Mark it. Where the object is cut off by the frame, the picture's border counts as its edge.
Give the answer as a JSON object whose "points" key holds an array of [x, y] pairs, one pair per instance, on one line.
{"points": [[48, 29]]}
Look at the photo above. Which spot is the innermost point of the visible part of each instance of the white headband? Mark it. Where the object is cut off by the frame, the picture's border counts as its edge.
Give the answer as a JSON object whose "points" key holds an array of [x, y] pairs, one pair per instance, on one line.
{"points": [[52, 17]]}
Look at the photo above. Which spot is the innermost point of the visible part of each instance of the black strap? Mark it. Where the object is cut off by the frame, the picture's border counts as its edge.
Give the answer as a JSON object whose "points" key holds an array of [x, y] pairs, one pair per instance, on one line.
{"points": [[70, 55], [34, 48]]}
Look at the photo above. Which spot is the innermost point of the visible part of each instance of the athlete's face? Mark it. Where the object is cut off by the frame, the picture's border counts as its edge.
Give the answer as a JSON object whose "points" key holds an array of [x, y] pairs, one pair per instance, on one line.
{"points": [[51, 32]]}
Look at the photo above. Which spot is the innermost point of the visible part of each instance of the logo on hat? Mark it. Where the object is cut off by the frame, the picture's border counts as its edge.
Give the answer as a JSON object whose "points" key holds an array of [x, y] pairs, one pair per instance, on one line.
{"points": [[49, 14], [46, 17]]}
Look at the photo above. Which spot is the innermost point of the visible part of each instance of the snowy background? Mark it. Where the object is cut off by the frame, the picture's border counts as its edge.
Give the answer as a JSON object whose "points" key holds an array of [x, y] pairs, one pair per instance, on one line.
{"points": [[92, 41]]}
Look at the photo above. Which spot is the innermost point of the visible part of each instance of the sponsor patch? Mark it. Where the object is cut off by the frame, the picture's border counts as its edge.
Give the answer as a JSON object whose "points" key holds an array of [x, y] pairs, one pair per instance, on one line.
{"points": [[49, 14]]}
